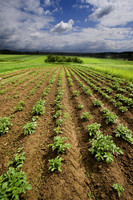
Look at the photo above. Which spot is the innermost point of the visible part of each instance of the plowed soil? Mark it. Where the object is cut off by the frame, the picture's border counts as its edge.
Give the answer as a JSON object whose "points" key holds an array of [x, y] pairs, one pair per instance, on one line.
{"points": [[82, 177]]}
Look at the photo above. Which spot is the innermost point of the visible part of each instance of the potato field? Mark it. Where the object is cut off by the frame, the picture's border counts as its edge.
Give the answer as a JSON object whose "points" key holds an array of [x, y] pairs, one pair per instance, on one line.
{"points": [[65, 134]]}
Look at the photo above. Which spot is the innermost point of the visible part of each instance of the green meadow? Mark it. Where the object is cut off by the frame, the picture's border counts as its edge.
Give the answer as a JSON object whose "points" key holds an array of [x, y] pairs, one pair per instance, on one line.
{"points": [[119, 68], [16, 62]]}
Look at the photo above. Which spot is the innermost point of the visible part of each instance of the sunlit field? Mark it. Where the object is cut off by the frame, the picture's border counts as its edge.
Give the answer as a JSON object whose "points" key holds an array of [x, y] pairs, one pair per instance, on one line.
{"points": [[65, 129], [119, 68]]}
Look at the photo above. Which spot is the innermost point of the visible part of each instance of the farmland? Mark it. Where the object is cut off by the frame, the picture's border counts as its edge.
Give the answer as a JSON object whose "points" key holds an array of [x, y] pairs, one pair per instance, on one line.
{"points": [[73, 123]]}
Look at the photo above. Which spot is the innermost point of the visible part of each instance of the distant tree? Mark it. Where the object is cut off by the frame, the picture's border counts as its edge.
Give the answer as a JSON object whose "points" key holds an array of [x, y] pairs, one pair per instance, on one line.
{"points": [[69, 59], [50, 59], [60, 59]]}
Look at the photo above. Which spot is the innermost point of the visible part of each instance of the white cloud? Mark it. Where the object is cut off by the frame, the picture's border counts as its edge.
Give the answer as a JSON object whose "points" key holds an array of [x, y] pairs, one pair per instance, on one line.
{"points": [[32, 6], [54, 3], [111, 12], [80, 6], [63, 27], [48, 2]]}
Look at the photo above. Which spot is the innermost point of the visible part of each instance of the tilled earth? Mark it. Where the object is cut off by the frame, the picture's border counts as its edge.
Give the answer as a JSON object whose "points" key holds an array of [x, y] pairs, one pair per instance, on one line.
{"points": [[82, 177]]}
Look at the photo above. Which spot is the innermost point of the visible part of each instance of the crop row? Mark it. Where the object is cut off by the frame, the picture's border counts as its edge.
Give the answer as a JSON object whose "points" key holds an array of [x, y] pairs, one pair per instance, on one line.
{"points": [[11, 189], [102, 146], [58, 141], [109, 117], [124, 103]]}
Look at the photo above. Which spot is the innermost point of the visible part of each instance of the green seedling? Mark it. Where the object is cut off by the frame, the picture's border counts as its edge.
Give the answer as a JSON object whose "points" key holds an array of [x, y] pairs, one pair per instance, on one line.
{"points": [[109, 90], [93, 128], [15, 96], [59, 122], [86, 116], [58, 106], [13, 183], [123, 109], [38, 109], [19, 106], [110, 118], [59, 144], [105, 110], [75, 93], [29, 128], [57, 130], [103, 147], [70, 82], [118, 104], [87, 91], [55, 164], [4, 123], [89, 195], [34, 118], [97, 103], [119, 188], [2, 92], [57, 114], [124, 132], [18, 159], [80, 107]]}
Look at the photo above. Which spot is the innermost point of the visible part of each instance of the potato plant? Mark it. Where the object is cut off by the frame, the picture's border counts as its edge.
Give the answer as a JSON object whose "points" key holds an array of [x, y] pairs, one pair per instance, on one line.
{"points": [[19, 106], [80, 106], [97, 103], [110, 118], [87, 91], [107, 89], [18, 159], [2, 92], [29, 128], [124, 132], [123, 109], [93, 128], [59, 144], [57, 114], [58, 130], [14, 182], [38, 109], [70, 82], [4, 123], [103, 147], [86, 116], [119, 188], [75, 93], [55, 164]]}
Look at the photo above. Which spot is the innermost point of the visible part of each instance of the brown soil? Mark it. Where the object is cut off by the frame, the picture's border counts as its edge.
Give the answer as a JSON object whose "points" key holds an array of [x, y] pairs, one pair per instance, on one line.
{"points": [[81, 176]]}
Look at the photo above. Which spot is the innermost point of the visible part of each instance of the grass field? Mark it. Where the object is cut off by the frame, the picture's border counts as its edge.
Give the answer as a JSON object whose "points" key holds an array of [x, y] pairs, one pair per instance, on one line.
{"points": [[16, 62], [120, 68]]}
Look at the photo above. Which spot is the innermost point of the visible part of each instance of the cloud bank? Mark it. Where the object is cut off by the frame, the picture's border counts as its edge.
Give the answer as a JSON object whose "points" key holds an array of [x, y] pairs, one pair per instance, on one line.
{"points": [[111, 12], [32, 25]]}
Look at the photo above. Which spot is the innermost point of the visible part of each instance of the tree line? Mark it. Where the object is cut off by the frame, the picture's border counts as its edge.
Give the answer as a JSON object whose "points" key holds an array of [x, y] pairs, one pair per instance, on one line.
{"points": [[62, 59]]}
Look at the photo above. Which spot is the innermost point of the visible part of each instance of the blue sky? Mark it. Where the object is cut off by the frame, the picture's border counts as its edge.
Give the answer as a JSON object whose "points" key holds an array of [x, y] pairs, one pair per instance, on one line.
{"points": [[66, 25]]}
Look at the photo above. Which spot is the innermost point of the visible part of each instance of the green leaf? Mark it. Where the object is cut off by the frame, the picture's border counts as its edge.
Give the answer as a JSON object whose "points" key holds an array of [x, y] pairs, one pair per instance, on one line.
{"points": [[29, 187], [4, 186]]}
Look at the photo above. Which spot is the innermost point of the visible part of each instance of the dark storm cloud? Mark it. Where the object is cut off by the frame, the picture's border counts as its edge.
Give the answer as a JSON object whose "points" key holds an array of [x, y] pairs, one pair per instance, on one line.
{"points": [[99, 13], [105, 11]]}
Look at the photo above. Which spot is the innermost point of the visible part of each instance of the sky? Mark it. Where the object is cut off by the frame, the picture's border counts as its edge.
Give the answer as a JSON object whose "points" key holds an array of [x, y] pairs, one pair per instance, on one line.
{"points": [[66, 25]]}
